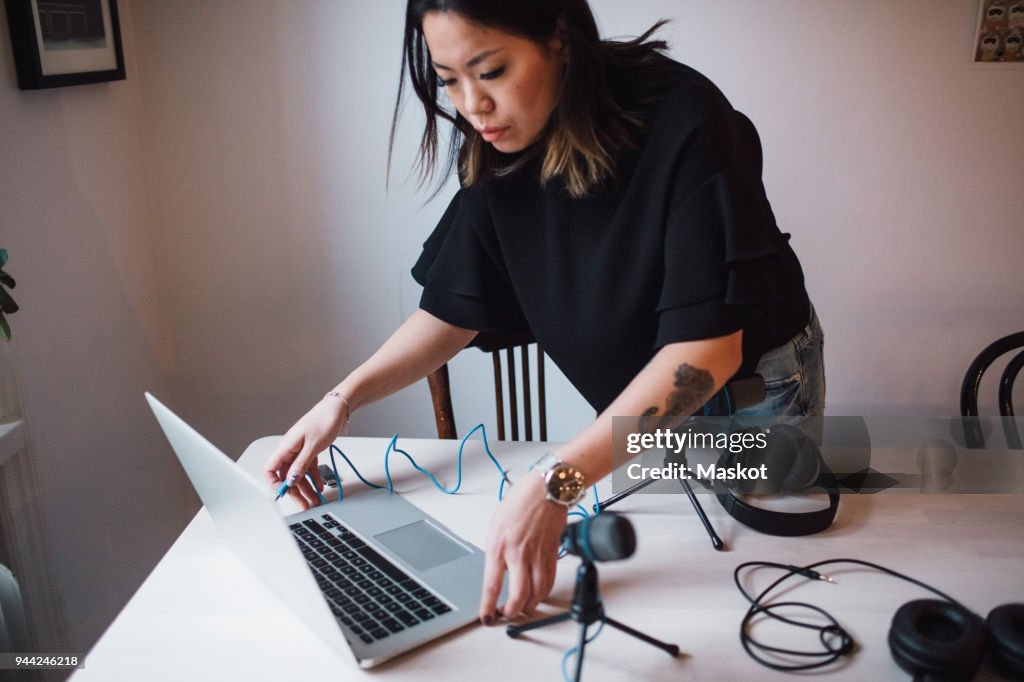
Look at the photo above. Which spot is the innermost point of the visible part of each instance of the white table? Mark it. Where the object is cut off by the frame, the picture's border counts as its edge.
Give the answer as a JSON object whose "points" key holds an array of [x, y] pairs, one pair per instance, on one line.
{"points": [[201, 615]]}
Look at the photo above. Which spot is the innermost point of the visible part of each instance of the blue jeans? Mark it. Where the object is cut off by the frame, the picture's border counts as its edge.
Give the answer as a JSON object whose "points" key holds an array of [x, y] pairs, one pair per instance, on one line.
{"points": [[794, 376]]}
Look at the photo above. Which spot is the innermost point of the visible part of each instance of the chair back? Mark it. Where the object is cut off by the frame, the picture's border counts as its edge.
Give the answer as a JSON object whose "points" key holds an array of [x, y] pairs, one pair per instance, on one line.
{"points": [[517, 386], [972, 383]]}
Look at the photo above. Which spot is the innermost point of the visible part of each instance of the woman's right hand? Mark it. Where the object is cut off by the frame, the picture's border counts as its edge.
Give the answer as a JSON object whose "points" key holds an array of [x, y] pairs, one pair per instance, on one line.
{"points": [[297, 452], [422, 344]]}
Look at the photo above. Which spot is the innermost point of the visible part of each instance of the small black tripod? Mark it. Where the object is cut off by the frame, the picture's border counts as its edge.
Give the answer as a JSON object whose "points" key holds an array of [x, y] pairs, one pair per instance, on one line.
{"points": [[587, 609], [716, 541]]}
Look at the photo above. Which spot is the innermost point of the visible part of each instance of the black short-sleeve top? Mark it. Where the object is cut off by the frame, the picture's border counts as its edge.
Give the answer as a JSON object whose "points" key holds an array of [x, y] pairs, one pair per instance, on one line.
{"points": [[681, 246]]}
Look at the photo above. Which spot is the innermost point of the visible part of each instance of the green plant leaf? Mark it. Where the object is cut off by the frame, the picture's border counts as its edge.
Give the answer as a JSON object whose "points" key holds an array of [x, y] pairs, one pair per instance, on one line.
{"points": [[3, 257], [5, 329], [7, 303]]}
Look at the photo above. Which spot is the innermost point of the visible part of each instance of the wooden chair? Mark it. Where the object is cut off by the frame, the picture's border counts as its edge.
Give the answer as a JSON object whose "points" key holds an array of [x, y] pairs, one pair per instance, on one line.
{"points": [[495, 344], [972, 382]]}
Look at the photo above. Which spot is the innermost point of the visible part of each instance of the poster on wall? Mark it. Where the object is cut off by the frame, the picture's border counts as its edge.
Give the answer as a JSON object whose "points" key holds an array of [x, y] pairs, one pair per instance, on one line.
{"points": [[1000, 33], [65, 42]]}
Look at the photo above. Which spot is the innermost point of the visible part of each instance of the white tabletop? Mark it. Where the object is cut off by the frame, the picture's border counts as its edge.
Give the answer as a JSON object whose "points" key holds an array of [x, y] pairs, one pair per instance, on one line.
{"points": [[202, 615]]}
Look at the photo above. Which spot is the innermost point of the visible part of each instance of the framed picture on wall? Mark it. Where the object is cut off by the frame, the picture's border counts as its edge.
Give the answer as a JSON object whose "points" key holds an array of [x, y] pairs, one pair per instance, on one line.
{"points": [[999, 35], [65, 42]]}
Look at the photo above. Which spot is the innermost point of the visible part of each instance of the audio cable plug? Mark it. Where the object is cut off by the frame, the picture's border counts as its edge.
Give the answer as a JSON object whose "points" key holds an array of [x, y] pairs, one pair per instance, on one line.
{"points": [[811, 573]]}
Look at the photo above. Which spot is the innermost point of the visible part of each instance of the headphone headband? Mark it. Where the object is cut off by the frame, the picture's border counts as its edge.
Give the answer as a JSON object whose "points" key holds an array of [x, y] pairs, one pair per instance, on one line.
{"points": [[774, 522], [801, 460]]}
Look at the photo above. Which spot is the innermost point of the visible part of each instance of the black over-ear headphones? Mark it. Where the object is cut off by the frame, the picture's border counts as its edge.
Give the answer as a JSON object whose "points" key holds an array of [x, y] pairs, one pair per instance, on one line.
{"points": [[944, 640], [792, 462]]}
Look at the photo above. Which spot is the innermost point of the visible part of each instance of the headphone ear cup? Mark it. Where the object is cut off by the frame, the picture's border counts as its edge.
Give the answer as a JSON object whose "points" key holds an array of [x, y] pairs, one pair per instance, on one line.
{"points": [[1006, 634], [793, 460], [933, 637], [807, 463], [749, 457]]}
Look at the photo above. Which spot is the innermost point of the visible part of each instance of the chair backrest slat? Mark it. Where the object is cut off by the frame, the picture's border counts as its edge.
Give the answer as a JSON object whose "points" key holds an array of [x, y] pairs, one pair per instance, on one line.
{"points": [[527, 407], [441, 396], [1006, 384], [542, 405], [440, 392], [499, 398], [513, 403]]}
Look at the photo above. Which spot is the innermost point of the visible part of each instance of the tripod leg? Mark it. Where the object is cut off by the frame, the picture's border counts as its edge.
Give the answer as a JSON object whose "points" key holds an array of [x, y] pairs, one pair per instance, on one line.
{"points": [[579, 652], [624, 494], [716, 541], [670, 649], [516, 630]]}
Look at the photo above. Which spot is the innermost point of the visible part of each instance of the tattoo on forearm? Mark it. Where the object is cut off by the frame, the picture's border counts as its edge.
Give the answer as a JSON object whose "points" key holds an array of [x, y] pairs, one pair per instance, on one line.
{"points": [[693, 386], [646, 417]]}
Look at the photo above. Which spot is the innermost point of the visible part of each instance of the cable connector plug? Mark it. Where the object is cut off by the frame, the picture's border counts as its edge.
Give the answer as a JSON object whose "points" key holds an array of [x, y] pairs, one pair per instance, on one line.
{"points": [[811, 573]]}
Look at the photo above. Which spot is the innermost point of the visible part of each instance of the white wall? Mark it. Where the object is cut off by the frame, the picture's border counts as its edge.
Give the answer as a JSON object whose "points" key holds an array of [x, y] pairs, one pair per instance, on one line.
{"points": [[90, 337], [218, 224]]}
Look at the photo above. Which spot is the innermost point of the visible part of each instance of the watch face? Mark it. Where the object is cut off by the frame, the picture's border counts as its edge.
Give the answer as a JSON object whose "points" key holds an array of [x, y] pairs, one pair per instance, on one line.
{"points": [[565, 484]]}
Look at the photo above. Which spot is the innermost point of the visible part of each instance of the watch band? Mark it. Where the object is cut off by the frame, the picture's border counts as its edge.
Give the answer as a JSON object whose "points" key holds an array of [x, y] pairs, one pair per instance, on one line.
{"points": [[547, 461], [557, 475]]}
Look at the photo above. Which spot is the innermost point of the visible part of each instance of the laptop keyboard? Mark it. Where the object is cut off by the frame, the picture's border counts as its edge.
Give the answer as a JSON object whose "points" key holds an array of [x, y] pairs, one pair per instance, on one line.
{"points": [[373, 597]]}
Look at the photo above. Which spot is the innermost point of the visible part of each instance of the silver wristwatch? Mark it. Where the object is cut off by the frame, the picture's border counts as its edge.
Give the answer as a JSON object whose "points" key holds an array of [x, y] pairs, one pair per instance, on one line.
{"points": [[564, 483]]}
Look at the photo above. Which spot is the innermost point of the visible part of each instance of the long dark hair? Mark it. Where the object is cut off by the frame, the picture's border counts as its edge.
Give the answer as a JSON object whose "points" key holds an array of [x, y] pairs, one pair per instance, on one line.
{"points": [[588, 128]]}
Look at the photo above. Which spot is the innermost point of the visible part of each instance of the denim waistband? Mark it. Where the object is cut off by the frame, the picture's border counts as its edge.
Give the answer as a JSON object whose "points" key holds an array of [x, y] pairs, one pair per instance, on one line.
{"points": [[811, 330], [779, 364]]}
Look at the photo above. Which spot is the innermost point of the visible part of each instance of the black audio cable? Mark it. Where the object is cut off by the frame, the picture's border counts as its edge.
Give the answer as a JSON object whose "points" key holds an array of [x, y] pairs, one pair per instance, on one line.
{"points": [[835, 640]]}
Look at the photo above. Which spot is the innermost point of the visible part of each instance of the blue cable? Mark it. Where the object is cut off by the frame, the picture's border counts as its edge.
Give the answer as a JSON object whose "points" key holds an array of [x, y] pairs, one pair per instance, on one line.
{"points": [[581, 512], [316, 488], [570, 652], [562, 553], [458, 483], [393, 445], [337, 477]]}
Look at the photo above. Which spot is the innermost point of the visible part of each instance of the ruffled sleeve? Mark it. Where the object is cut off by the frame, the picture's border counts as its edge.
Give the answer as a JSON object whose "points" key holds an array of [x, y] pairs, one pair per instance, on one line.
{"points": [[463, 276], [722, 245]]}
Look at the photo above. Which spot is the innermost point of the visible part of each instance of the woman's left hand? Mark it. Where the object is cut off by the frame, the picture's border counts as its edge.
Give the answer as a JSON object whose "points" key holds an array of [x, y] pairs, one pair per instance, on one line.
{"points": [[523, 539]]}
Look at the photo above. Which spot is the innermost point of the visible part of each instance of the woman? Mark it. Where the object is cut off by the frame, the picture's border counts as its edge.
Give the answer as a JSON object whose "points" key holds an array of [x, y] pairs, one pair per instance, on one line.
{"points": [[611, 204]]}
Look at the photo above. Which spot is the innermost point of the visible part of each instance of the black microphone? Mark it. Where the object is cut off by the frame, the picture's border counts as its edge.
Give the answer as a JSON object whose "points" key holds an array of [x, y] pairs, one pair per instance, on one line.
{"points": [[605, 537]]}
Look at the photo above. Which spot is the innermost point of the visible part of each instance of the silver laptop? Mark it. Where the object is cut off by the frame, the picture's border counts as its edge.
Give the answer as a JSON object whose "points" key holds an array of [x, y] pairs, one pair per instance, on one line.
{"points": [[373, 575]]}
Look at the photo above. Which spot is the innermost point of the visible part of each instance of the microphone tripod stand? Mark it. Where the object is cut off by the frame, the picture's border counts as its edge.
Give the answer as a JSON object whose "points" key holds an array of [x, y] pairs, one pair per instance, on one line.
{"points": [[716, 541], [735, 395], [587, 609]]}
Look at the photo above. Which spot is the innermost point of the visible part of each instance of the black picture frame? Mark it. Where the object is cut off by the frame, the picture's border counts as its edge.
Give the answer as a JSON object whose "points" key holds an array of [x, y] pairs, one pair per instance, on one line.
{"points": [[65, 42]]}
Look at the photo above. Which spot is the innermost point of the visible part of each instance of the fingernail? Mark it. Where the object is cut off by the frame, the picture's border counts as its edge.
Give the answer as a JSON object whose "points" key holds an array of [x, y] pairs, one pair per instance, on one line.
{"points": [[488, 620]]}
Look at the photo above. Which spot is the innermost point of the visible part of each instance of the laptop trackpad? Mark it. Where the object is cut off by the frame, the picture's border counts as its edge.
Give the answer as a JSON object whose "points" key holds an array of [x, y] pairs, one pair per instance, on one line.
{"points": [[421, 545]]}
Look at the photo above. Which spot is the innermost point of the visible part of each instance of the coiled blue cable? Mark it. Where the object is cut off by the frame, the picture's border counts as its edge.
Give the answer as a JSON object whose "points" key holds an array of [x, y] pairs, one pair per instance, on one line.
{"points": [[393, 446]]}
